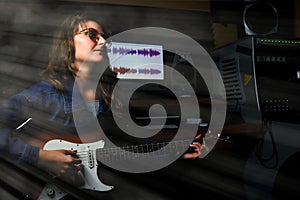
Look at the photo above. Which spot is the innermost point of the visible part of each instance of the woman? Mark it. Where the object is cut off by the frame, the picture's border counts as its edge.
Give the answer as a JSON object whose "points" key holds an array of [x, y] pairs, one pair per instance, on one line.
{"points": [[80, 40]]}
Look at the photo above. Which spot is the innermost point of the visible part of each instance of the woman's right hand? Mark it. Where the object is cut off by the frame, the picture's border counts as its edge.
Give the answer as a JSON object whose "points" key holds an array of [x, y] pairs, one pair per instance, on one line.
{"points": [[59, 162]]}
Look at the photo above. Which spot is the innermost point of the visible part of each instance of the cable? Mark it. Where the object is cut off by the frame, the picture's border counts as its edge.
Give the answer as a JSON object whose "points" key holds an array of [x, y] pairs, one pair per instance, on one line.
{"points": [[259, 151]]}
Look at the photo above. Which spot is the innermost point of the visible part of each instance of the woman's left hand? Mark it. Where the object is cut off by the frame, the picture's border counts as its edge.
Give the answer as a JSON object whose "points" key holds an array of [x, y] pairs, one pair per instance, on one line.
{"points": [[196, 151], [197, 147]]}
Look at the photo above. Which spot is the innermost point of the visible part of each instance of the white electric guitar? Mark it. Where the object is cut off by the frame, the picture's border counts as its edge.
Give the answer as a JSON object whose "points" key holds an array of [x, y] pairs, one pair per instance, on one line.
{"points": [[90, 154]]}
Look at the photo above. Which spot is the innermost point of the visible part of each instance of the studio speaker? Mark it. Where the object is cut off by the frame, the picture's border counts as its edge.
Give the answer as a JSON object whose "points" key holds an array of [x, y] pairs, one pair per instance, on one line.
{"points": [[260, 18]]}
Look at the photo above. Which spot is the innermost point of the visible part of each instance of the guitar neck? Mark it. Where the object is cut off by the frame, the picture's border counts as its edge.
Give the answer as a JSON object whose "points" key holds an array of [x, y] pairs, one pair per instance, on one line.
{"points": [[141, 150]]}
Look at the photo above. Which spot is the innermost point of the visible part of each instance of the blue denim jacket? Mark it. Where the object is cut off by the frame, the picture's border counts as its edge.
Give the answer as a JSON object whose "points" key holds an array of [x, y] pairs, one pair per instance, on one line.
{"points": [[40, 98]]}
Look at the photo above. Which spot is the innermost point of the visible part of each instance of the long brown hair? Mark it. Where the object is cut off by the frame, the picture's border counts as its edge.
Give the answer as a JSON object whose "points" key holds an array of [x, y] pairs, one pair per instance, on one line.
{"points": [[62, 57], [62, 53]]}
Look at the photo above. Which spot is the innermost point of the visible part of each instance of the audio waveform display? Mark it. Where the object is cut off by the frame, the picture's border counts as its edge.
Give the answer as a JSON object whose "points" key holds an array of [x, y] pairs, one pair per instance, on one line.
{"points": [[124, 70], [149, 71], [136, 61], [126, 51]]}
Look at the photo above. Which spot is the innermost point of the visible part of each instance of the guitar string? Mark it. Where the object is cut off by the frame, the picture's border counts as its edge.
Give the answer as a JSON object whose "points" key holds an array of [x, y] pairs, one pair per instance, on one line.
{"points": [[148, 147], [123, 154]]}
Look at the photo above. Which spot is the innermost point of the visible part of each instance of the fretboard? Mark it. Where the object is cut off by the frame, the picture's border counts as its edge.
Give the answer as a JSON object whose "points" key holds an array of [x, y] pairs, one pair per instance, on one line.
{"points": [[141, 151]]}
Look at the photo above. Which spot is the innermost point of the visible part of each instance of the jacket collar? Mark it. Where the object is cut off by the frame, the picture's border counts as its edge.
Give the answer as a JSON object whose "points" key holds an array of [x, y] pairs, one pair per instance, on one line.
{"points": [[73, 101]]}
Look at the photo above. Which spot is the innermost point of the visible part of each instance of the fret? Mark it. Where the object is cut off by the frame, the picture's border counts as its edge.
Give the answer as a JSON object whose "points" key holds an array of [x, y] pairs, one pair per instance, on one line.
{"points": [[123, 154], [155, 148], [135, 150], [107, 154], [114, 154], [152, 148], [141, 149], [160, 146]]}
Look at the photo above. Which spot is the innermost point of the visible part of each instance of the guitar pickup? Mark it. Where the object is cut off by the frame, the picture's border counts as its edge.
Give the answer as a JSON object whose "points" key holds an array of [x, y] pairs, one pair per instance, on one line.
{"points": [[91, 163]]}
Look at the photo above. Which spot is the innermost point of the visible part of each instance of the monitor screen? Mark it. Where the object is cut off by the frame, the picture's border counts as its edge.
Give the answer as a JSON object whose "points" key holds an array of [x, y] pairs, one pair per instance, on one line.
{"points": [[136, 61]]}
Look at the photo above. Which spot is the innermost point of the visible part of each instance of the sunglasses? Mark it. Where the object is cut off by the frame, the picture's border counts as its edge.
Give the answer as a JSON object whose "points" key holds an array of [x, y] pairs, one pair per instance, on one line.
{"points": [[93, 34]]}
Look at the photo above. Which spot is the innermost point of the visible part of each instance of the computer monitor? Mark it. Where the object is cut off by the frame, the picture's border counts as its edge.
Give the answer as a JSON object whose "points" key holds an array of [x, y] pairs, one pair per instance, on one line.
{"points": [[137, 61]]}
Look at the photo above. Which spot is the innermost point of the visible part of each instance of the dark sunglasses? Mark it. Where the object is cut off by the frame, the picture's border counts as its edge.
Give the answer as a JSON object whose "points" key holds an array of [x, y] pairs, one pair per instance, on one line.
{"points": [[93, 34]]}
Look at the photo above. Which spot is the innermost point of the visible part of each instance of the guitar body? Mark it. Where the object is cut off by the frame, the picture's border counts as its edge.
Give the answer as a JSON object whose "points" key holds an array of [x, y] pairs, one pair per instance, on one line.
{"points": [[87, 153], [35, 134]]}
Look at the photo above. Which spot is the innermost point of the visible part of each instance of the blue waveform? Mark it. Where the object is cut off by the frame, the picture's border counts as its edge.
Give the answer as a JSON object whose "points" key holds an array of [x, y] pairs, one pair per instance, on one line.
{"points": [[127, 51], [149, 71]]}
